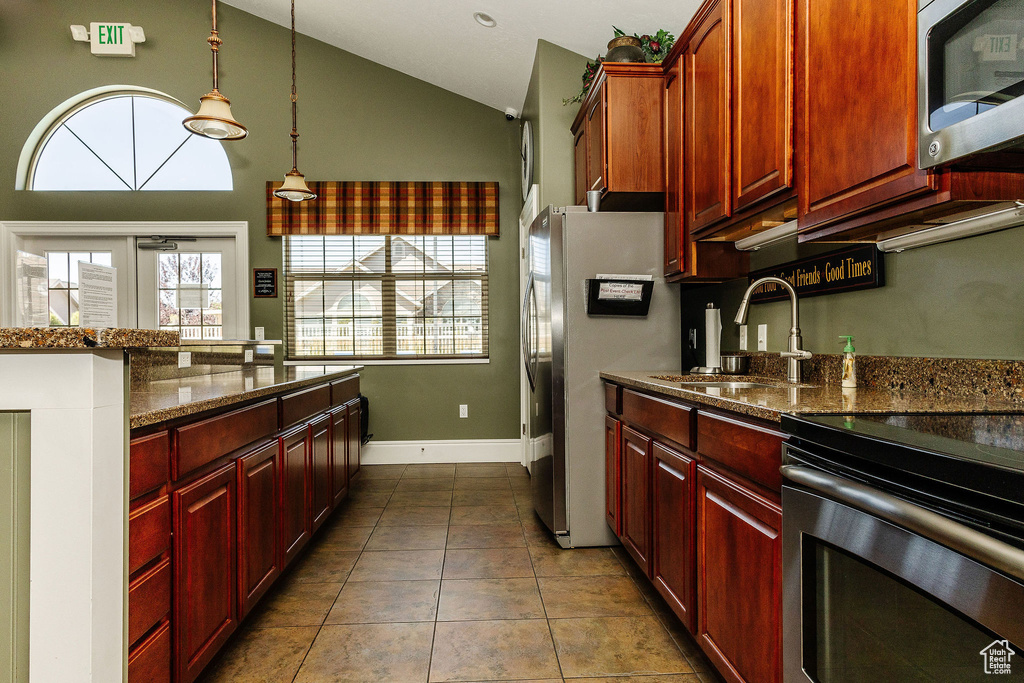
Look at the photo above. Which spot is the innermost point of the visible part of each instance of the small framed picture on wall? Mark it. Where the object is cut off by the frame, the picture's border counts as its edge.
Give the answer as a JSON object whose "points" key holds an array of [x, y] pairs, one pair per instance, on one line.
{"points": [[264, 283]]}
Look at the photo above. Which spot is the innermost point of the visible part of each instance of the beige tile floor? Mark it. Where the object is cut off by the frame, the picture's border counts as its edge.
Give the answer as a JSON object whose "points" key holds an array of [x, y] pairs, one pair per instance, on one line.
{"points": [[433, 573]]}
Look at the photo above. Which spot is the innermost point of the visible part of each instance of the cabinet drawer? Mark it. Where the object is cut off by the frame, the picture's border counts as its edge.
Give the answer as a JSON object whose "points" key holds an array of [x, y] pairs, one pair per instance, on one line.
{"points": [[205, 441], [149, 599], [150, 662], [613, 398], [344, 390], [149, 465], [750, 450], [149, 532], [671, 420], [302, 404]]}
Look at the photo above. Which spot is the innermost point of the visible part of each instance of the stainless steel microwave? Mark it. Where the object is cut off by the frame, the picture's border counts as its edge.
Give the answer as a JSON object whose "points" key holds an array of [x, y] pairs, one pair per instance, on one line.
{"points": [[970, 60]]}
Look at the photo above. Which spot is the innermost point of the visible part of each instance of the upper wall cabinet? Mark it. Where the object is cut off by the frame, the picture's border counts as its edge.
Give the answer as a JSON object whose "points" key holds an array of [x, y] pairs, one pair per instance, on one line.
{"points": [[857, 171], [618, 138]]}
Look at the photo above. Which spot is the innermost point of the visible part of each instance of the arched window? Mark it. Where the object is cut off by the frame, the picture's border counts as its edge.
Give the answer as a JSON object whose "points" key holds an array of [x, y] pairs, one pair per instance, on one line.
{"points": [[122, 140]]}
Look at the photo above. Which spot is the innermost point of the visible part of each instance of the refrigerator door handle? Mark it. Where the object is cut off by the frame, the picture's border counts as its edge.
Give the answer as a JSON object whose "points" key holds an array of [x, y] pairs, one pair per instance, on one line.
{"points": [[525, 331]]}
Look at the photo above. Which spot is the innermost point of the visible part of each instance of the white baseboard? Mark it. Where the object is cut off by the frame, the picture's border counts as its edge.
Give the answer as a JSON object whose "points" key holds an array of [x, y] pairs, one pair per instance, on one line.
{"points": [[417, 452]]}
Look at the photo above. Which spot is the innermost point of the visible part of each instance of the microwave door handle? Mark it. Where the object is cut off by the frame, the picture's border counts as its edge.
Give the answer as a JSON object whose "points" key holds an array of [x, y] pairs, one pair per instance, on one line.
{"points": [[961, 538]]}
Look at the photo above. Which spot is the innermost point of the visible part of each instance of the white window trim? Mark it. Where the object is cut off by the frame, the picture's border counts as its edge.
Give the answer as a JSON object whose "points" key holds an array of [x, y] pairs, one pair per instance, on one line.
{"points": [[11, 232]]}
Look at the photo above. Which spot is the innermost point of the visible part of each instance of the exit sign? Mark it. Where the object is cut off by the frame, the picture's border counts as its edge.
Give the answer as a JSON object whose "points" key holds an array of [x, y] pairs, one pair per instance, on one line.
{"points": [[111, 40]]}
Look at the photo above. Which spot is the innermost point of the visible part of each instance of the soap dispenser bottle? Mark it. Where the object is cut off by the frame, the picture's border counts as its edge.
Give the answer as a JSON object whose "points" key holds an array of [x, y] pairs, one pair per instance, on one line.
{"points": [[849, 364]]}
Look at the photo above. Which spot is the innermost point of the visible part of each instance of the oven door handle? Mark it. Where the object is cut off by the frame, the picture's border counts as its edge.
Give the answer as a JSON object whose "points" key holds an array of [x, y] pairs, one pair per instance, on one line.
{"points": [[963, 539]]}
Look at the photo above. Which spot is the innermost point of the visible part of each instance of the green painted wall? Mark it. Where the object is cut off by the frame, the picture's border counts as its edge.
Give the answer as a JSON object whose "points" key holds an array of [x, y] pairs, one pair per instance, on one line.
{"points": [[14, 546], [955, 300], [556, 75], [358, 119]]}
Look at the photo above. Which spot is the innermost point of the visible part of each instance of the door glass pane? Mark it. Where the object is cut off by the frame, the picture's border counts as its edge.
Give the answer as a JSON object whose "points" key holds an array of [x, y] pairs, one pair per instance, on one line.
{"points": [[190, 294], [62, 276], [872, 627]]}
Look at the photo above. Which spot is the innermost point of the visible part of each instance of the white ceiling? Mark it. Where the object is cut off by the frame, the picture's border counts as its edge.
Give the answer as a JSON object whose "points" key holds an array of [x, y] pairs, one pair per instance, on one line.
{"points": [[440, 42]]}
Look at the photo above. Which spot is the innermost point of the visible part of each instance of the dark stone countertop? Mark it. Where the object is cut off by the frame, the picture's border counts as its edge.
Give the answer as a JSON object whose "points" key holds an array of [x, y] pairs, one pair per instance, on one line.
{"points": [[21, 338], [169, 399]]}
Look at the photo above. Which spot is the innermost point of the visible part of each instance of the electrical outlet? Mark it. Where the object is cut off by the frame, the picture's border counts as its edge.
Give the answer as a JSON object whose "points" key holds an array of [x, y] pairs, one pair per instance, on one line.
{"points": [[762, 337], [248, 355], [463, 410], [184, 359], [260, 334], [693, 337], [743, 337]]}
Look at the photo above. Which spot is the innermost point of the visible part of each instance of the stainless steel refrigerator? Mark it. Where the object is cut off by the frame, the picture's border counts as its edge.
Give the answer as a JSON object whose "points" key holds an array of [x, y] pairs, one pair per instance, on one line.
{"points": [[565, 349]]}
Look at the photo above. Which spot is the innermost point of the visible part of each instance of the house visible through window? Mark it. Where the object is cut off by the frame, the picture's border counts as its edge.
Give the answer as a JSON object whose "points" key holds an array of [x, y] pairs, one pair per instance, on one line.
{"points": [[62, 283], [190, 291], [386, 297], [127, 141]]}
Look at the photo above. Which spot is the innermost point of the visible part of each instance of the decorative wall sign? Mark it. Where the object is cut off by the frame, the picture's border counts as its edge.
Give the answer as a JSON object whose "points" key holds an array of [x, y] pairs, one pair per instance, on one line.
{"points": [[859, 266], [108, 39], [264, 283]]}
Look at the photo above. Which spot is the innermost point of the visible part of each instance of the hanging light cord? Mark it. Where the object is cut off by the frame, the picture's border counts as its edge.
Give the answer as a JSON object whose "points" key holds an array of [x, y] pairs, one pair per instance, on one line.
{"points": [[215, 43], [295, 98]]}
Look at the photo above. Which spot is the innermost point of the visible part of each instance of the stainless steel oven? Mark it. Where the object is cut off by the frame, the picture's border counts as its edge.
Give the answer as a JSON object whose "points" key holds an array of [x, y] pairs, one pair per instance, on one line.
{"points": [[888, 576], [970, 56]]}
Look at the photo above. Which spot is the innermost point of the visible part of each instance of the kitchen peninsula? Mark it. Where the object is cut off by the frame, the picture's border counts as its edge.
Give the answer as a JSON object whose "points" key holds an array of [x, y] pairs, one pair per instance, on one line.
{"points": [[112, 419]]}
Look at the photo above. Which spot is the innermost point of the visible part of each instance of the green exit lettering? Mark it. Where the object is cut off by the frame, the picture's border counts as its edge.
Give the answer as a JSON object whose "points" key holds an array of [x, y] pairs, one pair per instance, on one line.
{"points": [[111, 35], [1000, 44]]}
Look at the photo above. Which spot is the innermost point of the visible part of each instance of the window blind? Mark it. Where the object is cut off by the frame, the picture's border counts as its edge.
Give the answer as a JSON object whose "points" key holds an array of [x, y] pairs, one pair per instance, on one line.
{"points": [[385, 297]]}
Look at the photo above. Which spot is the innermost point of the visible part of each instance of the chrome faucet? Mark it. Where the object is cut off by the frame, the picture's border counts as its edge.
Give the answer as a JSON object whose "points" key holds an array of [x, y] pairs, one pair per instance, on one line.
{"points": [[794, 371]]}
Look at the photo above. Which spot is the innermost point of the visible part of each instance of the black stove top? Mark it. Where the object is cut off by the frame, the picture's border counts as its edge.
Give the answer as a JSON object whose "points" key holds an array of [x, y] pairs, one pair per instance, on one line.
{"points": [[971, 464]]}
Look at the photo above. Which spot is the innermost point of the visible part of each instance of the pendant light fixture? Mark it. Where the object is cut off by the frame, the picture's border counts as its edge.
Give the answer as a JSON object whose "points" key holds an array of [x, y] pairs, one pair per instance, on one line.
{"points": [[294, 188], [214, 120]]}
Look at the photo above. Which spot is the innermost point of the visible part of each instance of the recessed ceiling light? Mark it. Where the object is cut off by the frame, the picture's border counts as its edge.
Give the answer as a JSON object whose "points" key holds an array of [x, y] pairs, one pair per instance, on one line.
{"points": [[485, 19]]}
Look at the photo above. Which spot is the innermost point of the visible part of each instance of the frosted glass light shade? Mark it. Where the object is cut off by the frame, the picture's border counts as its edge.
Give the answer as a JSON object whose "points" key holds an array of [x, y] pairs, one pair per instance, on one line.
{"points": [[294, 188], [214, 120]]}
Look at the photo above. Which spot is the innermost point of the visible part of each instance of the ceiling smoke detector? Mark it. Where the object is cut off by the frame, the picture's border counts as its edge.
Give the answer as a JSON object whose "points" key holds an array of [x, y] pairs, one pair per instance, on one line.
{"points": [[484, 19]]}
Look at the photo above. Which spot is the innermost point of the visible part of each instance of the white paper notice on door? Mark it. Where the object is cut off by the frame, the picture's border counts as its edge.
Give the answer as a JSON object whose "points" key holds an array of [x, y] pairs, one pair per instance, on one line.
{"points": [[97, 296]]}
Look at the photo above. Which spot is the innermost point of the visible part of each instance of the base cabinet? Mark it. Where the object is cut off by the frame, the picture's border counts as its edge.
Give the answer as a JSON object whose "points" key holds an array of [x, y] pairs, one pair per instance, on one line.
{"points": [[259, 524], [739, 559], [636, 513], [295, 478], [322, 497], [205, 608], [673, 530], [354, 437], [339, 454], [613, 473]]}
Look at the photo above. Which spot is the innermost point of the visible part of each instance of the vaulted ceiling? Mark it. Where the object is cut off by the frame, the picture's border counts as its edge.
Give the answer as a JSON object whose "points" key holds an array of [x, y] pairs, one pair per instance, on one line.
{"points": [[441, 43]]}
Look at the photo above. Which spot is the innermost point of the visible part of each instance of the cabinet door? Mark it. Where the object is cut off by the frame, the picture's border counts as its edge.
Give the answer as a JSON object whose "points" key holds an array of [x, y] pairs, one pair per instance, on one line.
{"points": [[259, 524], [613, 473], [339, 451], [739, 579], [673, 562], [762, 98], [674, 237], [636, 502], [322, 497], [580, 152], [205, 607], [354, 437], [707, 121], [595, 137], [857, 126], [295, 468]]}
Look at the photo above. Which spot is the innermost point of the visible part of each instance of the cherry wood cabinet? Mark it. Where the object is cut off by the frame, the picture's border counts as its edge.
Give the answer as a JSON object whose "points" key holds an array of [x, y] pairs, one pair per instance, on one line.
{"points": [[354, 437], [739, 558], [322, 495], [674, 530], [613, 473], [636, 514], [205, 607], [675, 230], [259, 524], [339, 453], [295, 479], [707, 135], [762, 99], [150, 661], [618, 138]]}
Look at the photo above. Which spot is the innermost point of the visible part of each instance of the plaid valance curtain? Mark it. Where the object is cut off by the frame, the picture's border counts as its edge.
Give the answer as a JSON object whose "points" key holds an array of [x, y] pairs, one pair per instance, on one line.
{"points": [[386, 208]]}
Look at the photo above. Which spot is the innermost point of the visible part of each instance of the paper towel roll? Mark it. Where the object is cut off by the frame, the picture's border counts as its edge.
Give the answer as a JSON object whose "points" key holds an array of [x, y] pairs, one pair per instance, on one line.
{"points": [[713, 337]]}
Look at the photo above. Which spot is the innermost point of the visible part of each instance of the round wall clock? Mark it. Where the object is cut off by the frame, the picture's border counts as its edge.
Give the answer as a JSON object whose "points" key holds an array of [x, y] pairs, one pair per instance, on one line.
{"points": [[526, 152]]}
